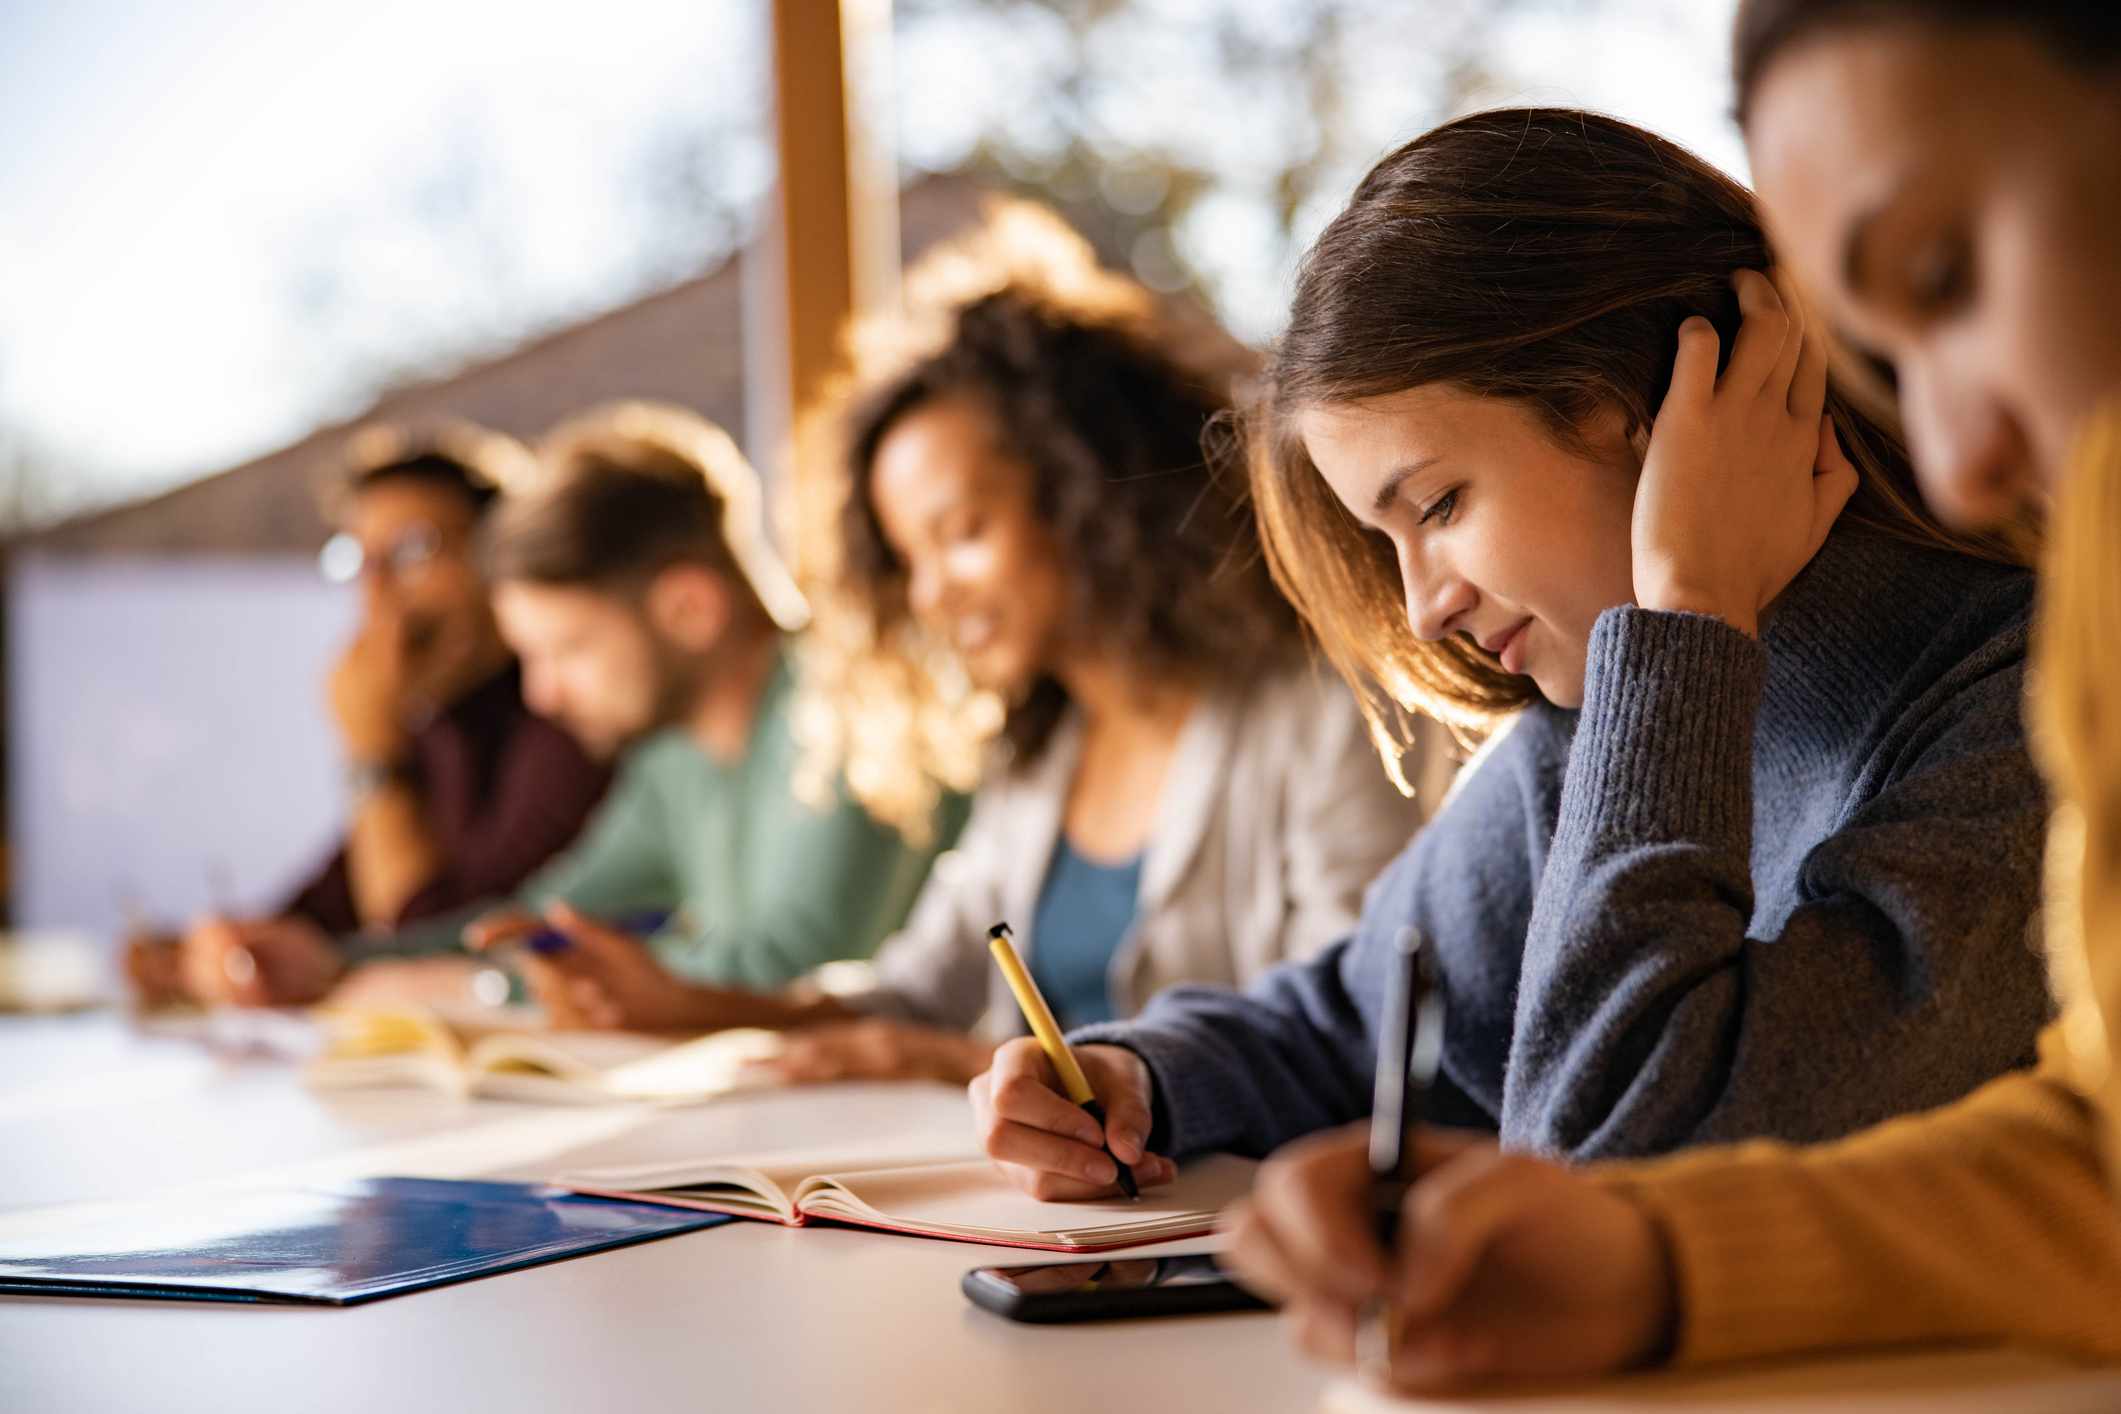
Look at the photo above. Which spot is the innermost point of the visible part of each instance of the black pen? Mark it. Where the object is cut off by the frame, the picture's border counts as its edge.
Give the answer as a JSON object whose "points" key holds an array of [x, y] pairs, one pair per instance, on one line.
{"points": [[1409, 1050]]}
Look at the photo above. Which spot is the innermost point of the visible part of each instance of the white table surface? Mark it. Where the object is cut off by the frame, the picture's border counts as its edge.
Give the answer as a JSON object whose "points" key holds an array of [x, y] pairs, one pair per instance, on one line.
{"points": [[744, 1317]]}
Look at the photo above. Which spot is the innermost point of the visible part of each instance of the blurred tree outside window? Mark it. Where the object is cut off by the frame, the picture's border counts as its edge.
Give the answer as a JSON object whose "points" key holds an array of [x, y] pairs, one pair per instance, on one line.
{"points": [[526, 172]]}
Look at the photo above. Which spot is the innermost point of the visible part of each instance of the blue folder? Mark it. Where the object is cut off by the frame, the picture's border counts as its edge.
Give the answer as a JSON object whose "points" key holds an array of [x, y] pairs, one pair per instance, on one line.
{"points": [[336, 1244]]}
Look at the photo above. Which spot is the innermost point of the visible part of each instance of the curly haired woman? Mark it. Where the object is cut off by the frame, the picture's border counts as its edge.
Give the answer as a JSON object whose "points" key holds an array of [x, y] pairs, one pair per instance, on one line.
{"points": [[1026, 578]]}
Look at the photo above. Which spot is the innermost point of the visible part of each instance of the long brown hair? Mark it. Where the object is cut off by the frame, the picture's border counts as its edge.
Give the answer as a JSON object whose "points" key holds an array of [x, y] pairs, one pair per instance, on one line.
{"points": [[1103, 393], [1543, 255]]}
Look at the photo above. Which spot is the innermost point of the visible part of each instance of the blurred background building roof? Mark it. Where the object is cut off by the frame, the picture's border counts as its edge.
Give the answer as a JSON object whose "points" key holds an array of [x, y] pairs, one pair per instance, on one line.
{"points": [[233, 222], [681, 345]]}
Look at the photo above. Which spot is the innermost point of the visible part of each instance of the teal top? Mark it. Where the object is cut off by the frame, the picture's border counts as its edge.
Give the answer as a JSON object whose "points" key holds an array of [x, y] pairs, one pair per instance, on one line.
{"points": [[1085, 910], [762, 887]]}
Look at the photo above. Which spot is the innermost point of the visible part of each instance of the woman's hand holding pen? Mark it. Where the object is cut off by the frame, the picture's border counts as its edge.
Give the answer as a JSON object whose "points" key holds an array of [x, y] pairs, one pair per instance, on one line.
{"points": [[600, 978], [1506, 1265], [1048, 1145], [258, 962], [593, 975], [1743, 476]]}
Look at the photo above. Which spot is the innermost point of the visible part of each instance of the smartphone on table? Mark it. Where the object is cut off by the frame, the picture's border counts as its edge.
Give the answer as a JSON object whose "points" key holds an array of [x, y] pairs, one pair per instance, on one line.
{"points": [[1109, 1290]]}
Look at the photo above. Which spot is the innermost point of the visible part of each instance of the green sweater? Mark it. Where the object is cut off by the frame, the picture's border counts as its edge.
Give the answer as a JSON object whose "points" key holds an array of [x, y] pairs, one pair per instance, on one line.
{"points": [[764, 886]]}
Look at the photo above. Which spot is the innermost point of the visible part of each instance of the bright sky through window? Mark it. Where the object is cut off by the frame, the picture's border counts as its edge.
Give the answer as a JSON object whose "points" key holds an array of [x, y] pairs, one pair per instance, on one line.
{"points": [[224, 220]]}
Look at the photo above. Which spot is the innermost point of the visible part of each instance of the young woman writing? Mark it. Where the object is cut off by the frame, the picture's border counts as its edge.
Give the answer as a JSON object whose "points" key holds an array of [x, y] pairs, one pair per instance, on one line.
{"points": [[1757, 854], [1945, 175]]}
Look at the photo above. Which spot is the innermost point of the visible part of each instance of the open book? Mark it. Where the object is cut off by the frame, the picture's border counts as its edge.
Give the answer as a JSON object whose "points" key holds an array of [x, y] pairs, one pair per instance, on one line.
{"points": [[514, 1059], [955, 1196]]}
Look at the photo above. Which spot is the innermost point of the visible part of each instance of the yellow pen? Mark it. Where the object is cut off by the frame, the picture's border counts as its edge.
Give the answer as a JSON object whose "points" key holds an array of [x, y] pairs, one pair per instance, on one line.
{"points": [[1040, 1018]]}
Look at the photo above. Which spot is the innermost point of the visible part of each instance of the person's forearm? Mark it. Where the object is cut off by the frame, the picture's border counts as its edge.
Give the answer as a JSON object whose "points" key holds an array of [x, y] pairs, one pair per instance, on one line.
{"points": [[1654, 1008], [1249, 1071], [1631, 981], [1986, 1220], [391, 853], [722, 1008]]}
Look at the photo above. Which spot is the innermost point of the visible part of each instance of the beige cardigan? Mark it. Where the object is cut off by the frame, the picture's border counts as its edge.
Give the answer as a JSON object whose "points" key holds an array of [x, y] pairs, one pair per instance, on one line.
{"points": [[1276, 815]]}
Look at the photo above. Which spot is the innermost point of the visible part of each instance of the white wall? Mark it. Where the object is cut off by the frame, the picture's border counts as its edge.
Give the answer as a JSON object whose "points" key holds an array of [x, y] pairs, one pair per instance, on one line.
{"points": [[167, 734]]}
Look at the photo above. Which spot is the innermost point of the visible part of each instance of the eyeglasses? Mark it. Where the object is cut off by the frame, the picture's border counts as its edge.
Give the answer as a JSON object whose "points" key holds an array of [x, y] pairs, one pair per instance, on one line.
{"points": [[412, 554]]}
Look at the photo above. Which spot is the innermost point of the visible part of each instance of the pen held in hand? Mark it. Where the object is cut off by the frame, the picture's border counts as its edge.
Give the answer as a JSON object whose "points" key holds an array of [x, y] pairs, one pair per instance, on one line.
{"points": [[549, 940], [1409, 1053], [1039, 1017]]}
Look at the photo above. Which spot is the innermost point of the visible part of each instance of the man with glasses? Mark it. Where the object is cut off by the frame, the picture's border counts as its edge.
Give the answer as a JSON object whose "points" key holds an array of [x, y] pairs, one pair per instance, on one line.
{"points": [[457, 791]]}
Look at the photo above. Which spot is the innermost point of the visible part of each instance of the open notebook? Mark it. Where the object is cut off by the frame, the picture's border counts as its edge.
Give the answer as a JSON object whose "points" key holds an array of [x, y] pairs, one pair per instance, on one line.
{"points": [[953, 1196], [520, 1061]]}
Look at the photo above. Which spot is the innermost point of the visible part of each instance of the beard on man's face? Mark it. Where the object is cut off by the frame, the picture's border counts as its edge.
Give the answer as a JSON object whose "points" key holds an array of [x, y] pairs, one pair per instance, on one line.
{"points": [[678, 678]]}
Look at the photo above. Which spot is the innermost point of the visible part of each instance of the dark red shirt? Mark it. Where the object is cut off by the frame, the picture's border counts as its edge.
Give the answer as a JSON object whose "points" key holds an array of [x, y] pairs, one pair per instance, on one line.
{"points": [[504, 790]]}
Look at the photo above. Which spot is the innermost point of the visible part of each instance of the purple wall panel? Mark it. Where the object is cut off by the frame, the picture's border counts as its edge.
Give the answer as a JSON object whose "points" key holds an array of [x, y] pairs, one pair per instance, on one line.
{"points": [[167, 734]]}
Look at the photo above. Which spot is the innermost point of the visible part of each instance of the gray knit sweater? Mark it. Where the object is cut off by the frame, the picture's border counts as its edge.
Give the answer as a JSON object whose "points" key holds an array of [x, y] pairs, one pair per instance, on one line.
{"points": [[1779, 887]]}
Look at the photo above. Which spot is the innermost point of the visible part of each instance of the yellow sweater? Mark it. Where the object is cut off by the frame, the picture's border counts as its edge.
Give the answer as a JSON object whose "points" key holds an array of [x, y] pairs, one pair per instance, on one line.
{"points": [[1994, 1218]]}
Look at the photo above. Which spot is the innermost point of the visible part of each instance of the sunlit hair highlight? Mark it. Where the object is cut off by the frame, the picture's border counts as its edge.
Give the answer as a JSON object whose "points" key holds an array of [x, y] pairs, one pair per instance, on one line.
{"points": [[476, 463], [1102, 392], [632, 440]]}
